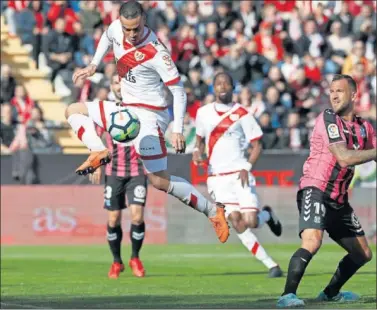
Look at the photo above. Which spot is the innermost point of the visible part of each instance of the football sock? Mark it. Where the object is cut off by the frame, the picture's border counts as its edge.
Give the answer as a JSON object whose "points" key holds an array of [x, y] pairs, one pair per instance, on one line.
{"points": [[346, 269], [114, 238], [250, 241], [263, 217], [297, 265], [190, 196], [137, 237], [84, 128]]}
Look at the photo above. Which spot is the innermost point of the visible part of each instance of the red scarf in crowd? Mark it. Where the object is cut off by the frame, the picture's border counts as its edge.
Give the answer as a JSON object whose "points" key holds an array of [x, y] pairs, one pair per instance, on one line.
{"points": [[23, 111]]}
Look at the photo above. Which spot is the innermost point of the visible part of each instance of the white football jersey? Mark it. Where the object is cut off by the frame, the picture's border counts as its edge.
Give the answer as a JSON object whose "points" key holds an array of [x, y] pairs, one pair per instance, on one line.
{"points": [[142, 67], [225, 134]]}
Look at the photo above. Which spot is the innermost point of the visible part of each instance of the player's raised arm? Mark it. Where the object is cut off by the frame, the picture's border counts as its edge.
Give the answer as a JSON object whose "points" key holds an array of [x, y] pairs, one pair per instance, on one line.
{"points": [[102, 48], [338, 146]]}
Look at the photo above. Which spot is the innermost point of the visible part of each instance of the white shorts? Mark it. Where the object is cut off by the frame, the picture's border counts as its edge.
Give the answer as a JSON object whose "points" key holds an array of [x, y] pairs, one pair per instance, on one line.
{"points": [[150, 142], [228, 190]]}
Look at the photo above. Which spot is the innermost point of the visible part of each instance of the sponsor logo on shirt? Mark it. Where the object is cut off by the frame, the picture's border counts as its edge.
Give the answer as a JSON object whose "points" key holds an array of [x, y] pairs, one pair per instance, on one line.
{"points": [[333, 131]]}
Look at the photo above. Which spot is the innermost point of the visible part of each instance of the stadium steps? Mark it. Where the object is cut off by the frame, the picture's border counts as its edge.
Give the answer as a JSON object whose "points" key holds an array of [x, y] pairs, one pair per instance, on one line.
{"points": [[39, 88]]}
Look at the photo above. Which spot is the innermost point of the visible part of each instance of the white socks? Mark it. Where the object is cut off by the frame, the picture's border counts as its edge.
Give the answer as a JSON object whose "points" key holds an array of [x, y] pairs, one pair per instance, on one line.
{"points": [[189, 195], [84, 128], [250, 241], [263, 217]]}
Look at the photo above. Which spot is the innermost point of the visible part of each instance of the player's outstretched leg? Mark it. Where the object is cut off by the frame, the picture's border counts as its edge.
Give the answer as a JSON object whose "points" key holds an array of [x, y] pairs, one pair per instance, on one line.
{"points": [[250, 241], [189, 195], [311, 242], [137, 234], [358, 255], [83, 126], [114, 238]]}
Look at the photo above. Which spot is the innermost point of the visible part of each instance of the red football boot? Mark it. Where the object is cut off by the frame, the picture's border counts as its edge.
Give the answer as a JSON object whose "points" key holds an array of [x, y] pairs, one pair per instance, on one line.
{"points": [[115, 270], [137, 267]]}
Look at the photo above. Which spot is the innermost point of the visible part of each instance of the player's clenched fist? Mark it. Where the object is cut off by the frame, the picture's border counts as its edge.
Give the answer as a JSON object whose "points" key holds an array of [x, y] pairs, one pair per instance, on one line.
{"points": [[178, 142], [84, 73]]}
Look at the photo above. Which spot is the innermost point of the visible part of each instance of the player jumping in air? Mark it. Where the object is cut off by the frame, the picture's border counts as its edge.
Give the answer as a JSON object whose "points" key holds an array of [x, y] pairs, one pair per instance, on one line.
{"points": [[124, 176], [142, 62], [225, 126], [340, 140]]}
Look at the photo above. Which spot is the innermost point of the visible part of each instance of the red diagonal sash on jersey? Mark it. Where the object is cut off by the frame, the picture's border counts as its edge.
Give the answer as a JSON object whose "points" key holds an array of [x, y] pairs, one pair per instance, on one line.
{"points": [[135, 58], [223, 126]]}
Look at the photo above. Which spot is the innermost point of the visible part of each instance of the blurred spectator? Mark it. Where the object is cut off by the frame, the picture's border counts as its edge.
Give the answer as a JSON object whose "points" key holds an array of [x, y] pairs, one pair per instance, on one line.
{"points": [[90, 17], [23, 104], [61, 9], [345, 19], [274, 106], [249, 17], [8, 83], [14, 142], [195, 82], [293, 136], [83, 46], [357, 56], [366, 18], [269, 138], [192, 103], [235, 64], [60, 50], [13, 9], [40, 136], [187, 47], [8, 128], [268, 44]]}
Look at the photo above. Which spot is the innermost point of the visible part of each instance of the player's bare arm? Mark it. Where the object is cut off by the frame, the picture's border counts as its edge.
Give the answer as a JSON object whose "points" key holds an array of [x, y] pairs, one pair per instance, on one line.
{"points": [[347, 157], [197, 155], [84, 73], [256, 149]]}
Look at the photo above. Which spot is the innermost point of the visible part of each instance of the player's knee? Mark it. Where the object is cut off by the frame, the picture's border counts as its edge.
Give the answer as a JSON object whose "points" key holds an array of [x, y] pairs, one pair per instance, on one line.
{"points": [[237, 222], [367, 255], [137, 218], [114, 218], [311, 242], [251, 219], [76, 108], [159, 182]]}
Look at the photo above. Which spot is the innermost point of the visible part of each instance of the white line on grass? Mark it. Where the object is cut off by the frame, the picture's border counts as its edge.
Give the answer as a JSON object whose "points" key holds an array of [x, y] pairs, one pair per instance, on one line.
{"points": [[24, 306]]}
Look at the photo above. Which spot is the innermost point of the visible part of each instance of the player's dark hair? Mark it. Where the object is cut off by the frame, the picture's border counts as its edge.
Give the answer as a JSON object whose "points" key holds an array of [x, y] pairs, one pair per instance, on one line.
{"points": [[227, 75], [350, 80], [131, 9]]}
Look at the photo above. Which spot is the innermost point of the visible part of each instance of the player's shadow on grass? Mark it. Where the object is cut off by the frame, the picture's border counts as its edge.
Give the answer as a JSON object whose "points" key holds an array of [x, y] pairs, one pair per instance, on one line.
{"points": [[248, 301], [139, 302], [240, 273]]}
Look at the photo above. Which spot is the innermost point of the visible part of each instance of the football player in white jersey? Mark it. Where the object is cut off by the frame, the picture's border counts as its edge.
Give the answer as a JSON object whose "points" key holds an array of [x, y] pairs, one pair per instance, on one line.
{"points": [[225, 127], [142, 62]]}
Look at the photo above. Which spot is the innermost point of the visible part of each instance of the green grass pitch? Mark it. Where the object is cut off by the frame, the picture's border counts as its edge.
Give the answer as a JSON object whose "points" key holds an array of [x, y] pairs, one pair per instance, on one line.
{"points": [[178, 276]]}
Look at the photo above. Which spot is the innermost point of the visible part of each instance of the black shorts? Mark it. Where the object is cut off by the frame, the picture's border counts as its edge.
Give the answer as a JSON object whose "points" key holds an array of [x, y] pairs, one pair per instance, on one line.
{"points": [[118, 188], [318, 212]]}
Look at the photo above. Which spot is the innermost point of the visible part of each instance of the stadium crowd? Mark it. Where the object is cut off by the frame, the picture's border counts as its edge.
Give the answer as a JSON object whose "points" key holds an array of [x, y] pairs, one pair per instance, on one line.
{"points": [[281, 54]]}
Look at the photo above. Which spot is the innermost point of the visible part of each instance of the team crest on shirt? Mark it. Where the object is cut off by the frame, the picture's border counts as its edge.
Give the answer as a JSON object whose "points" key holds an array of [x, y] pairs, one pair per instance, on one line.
{"points": [[234, 117], [333, 131], [362, 132], [139, 56]]}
